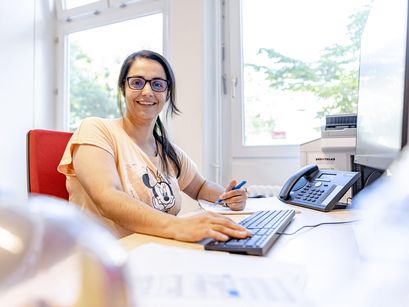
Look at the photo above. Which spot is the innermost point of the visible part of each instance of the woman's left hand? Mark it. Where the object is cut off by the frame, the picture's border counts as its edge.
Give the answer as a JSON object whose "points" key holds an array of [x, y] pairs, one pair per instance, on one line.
{"points": [[234, 199]]}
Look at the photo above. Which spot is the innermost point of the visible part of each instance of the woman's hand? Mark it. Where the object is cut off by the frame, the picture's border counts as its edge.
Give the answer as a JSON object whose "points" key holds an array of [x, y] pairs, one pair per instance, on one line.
{"points": [[202, 225], [234, 199]]}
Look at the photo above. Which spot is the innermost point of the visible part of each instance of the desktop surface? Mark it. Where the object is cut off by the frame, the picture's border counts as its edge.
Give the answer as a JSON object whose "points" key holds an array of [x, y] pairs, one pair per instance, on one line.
{"points": [[328, 254]]}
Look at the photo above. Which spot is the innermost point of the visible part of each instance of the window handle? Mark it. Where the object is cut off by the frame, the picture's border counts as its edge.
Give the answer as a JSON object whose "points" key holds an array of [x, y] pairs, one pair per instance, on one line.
{"points": [[233, 87]]}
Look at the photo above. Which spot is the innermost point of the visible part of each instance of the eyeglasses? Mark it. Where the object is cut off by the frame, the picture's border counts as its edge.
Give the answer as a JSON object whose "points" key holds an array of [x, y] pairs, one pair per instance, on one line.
{"points": [[138, 83]]}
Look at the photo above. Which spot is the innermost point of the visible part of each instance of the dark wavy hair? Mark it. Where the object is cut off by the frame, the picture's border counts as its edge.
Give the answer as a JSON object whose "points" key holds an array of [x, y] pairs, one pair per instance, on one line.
{"points": [[166, 151]]}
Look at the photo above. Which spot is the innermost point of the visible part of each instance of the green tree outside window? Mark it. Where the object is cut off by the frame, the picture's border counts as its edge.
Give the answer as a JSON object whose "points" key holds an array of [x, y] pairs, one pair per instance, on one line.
{"points": [[333, 78]]}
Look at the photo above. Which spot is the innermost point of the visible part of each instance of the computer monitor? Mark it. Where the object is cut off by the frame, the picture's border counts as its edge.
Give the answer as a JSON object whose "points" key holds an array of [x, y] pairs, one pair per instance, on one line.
{"points": [[382, 124]]}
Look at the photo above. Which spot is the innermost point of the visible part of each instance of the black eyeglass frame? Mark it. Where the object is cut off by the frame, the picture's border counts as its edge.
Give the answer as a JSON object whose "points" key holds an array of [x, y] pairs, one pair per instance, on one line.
{"points": [[147, 81]]}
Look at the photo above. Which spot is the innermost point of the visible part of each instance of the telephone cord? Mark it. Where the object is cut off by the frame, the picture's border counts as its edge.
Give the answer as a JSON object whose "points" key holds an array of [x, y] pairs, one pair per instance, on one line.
{"points": [[316, 225]]}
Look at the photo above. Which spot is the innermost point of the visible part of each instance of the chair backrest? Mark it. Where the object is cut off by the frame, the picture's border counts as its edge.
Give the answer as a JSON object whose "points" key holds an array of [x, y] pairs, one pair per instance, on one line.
{"points": [[44, 151]]}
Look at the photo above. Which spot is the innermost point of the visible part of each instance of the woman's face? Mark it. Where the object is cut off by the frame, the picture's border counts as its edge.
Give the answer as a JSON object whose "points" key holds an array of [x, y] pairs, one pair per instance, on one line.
{"points": [[144, 105]]}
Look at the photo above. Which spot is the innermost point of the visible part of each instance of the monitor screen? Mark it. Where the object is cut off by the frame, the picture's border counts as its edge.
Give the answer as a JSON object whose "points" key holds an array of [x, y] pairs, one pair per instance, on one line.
{"points": [[382, 106]]}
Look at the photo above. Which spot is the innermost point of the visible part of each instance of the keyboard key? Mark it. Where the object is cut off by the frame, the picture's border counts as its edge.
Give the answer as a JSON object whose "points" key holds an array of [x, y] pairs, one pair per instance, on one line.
{"points": [[253, 240], [261, 231], [237, 242]]}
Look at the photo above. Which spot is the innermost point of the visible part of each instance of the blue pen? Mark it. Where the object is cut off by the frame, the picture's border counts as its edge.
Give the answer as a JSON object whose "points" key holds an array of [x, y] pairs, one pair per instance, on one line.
{"points": [[219, 201]]}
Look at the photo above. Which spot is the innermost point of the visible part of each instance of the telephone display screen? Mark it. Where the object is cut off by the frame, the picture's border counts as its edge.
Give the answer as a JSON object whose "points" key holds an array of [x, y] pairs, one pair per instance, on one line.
{"points": [[326, 176]]}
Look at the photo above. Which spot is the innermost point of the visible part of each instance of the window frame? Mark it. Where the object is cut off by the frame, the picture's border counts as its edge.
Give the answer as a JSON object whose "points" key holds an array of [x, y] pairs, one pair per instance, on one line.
{"points": [[234, 94], [80, 11], [87, 19]]}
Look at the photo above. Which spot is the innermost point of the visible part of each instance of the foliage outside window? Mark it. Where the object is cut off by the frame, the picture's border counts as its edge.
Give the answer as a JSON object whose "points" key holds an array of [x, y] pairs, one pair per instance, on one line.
{"points": [[276, 79], [91, 93], [95, 58]]}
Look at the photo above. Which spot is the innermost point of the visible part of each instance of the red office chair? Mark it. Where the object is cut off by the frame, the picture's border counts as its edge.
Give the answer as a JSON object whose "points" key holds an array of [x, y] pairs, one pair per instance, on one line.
{"points": [[44, 151]]}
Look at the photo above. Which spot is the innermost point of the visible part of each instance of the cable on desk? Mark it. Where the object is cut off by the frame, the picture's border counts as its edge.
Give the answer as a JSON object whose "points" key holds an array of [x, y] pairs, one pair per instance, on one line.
{"points": [[316, 225]]}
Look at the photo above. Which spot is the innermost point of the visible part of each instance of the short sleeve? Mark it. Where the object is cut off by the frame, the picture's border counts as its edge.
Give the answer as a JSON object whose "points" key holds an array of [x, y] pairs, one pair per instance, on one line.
{"points": [[92, 131], [188, 168]]}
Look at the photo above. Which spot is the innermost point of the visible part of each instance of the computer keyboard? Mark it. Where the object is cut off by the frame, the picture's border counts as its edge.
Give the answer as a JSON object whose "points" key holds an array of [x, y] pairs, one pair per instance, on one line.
{"points": [[265, 226]]}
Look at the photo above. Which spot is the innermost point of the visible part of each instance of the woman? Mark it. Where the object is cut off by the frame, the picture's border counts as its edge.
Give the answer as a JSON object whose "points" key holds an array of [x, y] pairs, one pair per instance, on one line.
{"points": [[127, 172]]}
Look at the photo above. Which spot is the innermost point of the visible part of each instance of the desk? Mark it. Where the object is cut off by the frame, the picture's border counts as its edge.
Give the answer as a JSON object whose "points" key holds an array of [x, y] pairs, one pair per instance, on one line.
{"points": [[328, 254]]}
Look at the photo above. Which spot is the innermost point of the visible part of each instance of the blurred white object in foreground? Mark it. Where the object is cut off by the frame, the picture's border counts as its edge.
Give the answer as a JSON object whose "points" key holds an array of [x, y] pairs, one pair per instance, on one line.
{"points": [[383, 241], [52, 254]]}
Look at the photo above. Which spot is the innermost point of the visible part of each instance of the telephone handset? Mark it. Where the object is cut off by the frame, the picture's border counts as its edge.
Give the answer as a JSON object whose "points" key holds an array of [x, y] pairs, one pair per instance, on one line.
{"points": [[317, 189]]}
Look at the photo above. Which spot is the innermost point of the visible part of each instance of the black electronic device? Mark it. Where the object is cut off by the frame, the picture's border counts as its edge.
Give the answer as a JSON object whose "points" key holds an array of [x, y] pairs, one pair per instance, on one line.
{"points": [[266, 227], [317, 189]]}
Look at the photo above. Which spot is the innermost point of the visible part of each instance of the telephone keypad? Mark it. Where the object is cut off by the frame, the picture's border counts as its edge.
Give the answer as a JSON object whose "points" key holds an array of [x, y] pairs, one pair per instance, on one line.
{"points": [[311, 192]]}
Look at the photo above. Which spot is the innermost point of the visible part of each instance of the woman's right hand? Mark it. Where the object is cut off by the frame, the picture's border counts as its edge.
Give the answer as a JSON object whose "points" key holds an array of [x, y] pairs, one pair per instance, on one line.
{"points": [[202, 225]]}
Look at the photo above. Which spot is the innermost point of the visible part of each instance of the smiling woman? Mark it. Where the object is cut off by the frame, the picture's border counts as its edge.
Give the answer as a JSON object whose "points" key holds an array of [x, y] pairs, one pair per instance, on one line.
{"points": [[129, 174]]}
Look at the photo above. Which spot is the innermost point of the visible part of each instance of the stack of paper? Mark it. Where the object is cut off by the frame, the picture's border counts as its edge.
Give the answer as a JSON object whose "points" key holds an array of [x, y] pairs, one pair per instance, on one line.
{"points": [[172, 276]]}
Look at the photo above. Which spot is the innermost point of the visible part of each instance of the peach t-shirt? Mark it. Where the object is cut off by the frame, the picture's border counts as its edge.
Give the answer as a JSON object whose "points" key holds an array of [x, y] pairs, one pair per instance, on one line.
{"points": [[142, 177]]}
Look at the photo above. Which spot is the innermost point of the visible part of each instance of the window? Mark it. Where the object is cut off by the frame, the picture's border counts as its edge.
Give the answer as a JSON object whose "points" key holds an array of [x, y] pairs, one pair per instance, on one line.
{"points": [[92, 51], [95, 57], [291, 63]]}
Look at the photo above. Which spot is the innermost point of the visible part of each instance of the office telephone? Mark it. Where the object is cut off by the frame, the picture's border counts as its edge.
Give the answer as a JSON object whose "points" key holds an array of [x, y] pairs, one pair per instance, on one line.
{"points": [[317, 189]]}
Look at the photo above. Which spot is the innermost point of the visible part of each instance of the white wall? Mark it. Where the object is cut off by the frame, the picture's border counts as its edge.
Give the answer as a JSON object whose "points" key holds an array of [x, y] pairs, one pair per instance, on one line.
{"points": [[44, 67], [187, 57], [264, 171], [25, 92]]}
